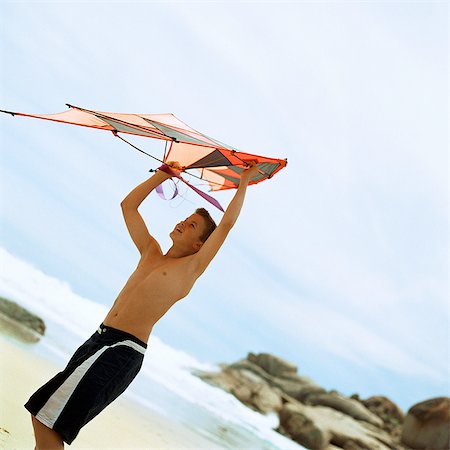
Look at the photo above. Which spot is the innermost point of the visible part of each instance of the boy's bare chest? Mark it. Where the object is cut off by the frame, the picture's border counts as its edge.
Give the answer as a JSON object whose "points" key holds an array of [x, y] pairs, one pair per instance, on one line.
{"points": [[148, 294], [160, 279]]}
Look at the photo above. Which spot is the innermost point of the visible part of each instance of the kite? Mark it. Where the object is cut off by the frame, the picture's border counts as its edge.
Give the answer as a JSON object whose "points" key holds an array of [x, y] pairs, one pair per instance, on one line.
{"points": [[218, 164]]}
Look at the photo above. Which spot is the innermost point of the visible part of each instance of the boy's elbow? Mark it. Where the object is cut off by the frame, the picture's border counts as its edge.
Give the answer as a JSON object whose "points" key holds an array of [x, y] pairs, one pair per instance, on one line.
{"points": [[124, 204]]}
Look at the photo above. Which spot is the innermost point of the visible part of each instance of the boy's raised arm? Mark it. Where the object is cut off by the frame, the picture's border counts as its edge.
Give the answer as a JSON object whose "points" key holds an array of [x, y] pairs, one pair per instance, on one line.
{"points": [[212, 245], [143, 240]]}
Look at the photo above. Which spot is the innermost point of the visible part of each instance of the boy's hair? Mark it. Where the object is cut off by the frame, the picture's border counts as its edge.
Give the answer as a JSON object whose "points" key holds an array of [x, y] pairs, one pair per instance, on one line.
{"points": [[210, 224]]}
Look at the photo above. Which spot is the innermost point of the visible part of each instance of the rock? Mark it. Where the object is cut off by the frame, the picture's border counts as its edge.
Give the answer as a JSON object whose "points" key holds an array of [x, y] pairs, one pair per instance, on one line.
{"points": [[272, 364], [242, 393], [296, 386], [20, 323], [384, 408], [300, 389], [21, 315], [249, 376], [297, 425], [346, 405], [266, 399], [248, 387], [391, 415], [318, 427], [219, 379], [245, 364], [426, 425], [310, 415]]}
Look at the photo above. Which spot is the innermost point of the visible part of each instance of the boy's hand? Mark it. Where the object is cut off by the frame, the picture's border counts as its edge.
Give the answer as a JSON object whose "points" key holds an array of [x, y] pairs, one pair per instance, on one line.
{"points": [[175, 165], [250, 171], [171, 166]]}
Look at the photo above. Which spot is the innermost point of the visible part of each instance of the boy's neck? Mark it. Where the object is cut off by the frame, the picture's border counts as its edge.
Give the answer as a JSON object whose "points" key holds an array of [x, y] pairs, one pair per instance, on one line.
{"points": [[175, 252]]}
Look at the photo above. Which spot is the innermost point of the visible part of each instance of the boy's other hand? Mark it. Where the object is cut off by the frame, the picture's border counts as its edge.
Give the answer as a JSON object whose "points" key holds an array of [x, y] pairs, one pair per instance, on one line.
{"points": [[175, 165], [250, 171]]}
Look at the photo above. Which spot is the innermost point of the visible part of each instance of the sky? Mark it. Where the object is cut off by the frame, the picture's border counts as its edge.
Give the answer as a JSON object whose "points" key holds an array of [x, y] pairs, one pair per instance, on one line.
{"points": [[339, 263]]}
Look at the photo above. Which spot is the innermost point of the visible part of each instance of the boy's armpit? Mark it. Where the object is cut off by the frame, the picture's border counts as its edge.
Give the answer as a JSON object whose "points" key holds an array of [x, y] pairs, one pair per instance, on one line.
{"points": [[143, 240]]}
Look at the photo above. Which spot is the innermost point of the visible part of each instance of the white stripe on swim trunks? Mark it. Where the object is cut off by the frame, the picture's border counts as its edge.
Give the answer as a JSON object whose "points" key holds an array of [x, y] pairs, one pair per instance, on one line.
{"points": [[50, 412]]}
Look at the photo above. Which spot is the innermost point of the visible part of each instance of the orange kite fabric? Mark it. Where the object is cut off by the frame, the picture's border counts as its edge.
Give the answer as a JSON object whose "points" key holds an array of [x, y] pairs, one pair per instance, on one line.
{"points": [[219, 164]]}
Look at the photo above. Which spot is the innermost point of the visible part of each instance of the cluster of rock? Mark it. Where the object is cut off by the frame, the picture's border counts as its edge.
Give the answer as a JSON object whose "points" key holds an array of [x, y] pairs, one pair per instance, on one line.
{"points": [[327, 420], [20, 323]]}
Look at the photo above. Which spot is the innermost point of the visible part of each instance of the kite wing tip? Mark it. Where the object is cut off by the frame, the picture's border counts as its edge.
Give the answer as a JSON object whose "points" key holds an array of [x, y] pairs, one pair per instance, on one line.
{"points": [[8, 112]]}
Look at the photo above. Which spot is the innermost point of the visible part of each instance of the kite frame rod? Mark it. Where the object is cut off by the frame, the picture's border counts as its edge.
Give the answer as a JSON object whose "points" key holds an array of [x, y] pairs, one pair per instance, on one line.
{"points": [[8, 112], [114, 132], [158, 133], [246, 164]]}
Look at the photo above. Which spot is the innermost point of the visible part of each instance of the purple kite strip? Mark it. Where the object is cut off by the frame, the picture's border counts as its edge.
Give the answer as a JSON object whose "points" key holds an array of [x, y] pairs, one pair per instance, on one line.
{"points": [[208, 198], [160, 191]]}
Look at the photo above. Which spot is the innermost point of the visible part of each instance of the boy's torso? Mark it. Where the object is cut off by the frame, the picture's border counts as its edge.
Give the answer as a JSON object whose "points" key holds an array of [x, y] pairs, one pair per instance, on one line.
{"points": [[156, 284]]}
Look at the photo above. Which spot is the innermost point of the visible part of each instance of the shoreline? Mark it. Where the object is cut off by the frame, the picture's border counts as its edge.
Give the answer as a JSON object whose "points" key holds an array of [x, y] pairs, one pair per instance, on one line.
{"points": [[123, 424]]}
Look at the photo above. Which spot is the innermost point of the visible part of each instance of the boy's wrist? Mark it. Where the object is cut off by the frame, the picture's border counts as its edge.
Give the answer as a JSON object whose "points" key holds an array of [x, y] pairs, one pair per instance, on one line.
{"points": [[169, 171], [245, 178]]}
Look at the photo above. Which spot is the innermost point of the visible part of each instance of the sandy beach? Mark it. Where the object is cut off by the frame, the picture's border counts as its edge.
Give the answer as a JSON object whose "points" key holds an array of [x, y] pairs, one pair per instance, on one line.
{"points": [[123, 424]]}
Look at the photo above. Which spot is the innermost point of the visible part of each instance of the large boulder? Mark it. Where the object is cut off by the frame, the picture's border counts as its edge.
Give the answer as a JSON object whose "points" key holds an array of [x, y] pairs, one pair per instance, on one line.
{"points": [[296, 423], [296, 386], [273, 365], [300, 388], [384, 408], [346, 405], [20, 323], [247, 386], [427, 425], [245, 364], [390, 413], [318, 427]]}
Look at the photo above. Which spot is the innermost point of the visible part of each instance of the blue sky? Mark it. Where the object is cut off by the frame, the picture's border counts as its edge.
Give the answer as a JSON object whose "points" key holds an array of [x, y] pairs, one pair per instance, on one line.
{"points": [[340, 262]]}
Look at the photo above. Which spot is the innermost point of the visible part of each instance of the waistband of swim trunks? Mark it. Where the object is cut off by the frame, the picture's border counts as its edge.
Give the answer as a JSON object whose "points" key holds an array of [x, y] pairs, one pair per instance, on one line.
{"points": [[110, 330]]}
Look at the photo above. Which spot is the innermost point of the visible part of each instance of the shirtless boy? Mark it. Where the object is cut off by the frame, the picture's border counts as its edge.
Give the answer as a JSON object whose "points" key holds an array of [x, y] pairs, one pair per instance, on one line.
{"points": [[103, 367]]}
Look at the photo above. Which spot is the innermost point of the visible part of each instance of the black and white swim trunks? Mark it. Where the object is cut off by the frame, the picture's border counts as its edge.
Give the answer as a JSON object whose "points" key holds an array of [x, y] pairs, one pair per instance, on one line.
{"points": [[98, 372]]}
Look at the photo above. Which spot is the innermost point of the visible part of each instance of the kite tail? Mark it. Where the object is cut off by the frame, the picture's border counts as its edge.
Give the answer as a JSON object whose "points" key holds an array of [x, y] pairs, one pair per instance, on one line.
{"points": [[208, 198], [160, 192]]}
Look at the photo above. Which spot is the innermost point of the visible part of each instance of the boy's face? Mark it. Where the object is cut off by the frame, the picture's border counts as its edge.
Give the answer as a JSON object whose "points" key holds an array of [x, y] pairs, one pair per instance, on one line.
{"points": [[189, 231]]}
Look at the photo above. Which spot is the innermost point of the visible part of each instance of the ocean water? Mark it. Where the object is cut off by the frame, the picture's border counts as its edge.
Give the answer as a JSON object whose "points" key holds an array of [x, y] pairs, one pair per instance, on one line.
{"points": [[165, 383]]}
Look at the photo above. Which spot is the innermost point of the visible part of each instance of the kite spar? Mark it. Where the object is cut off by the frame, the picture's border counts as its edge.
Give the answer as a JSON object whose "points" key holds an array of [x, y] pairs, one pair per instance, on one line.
{"points": [[218, 164]]}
